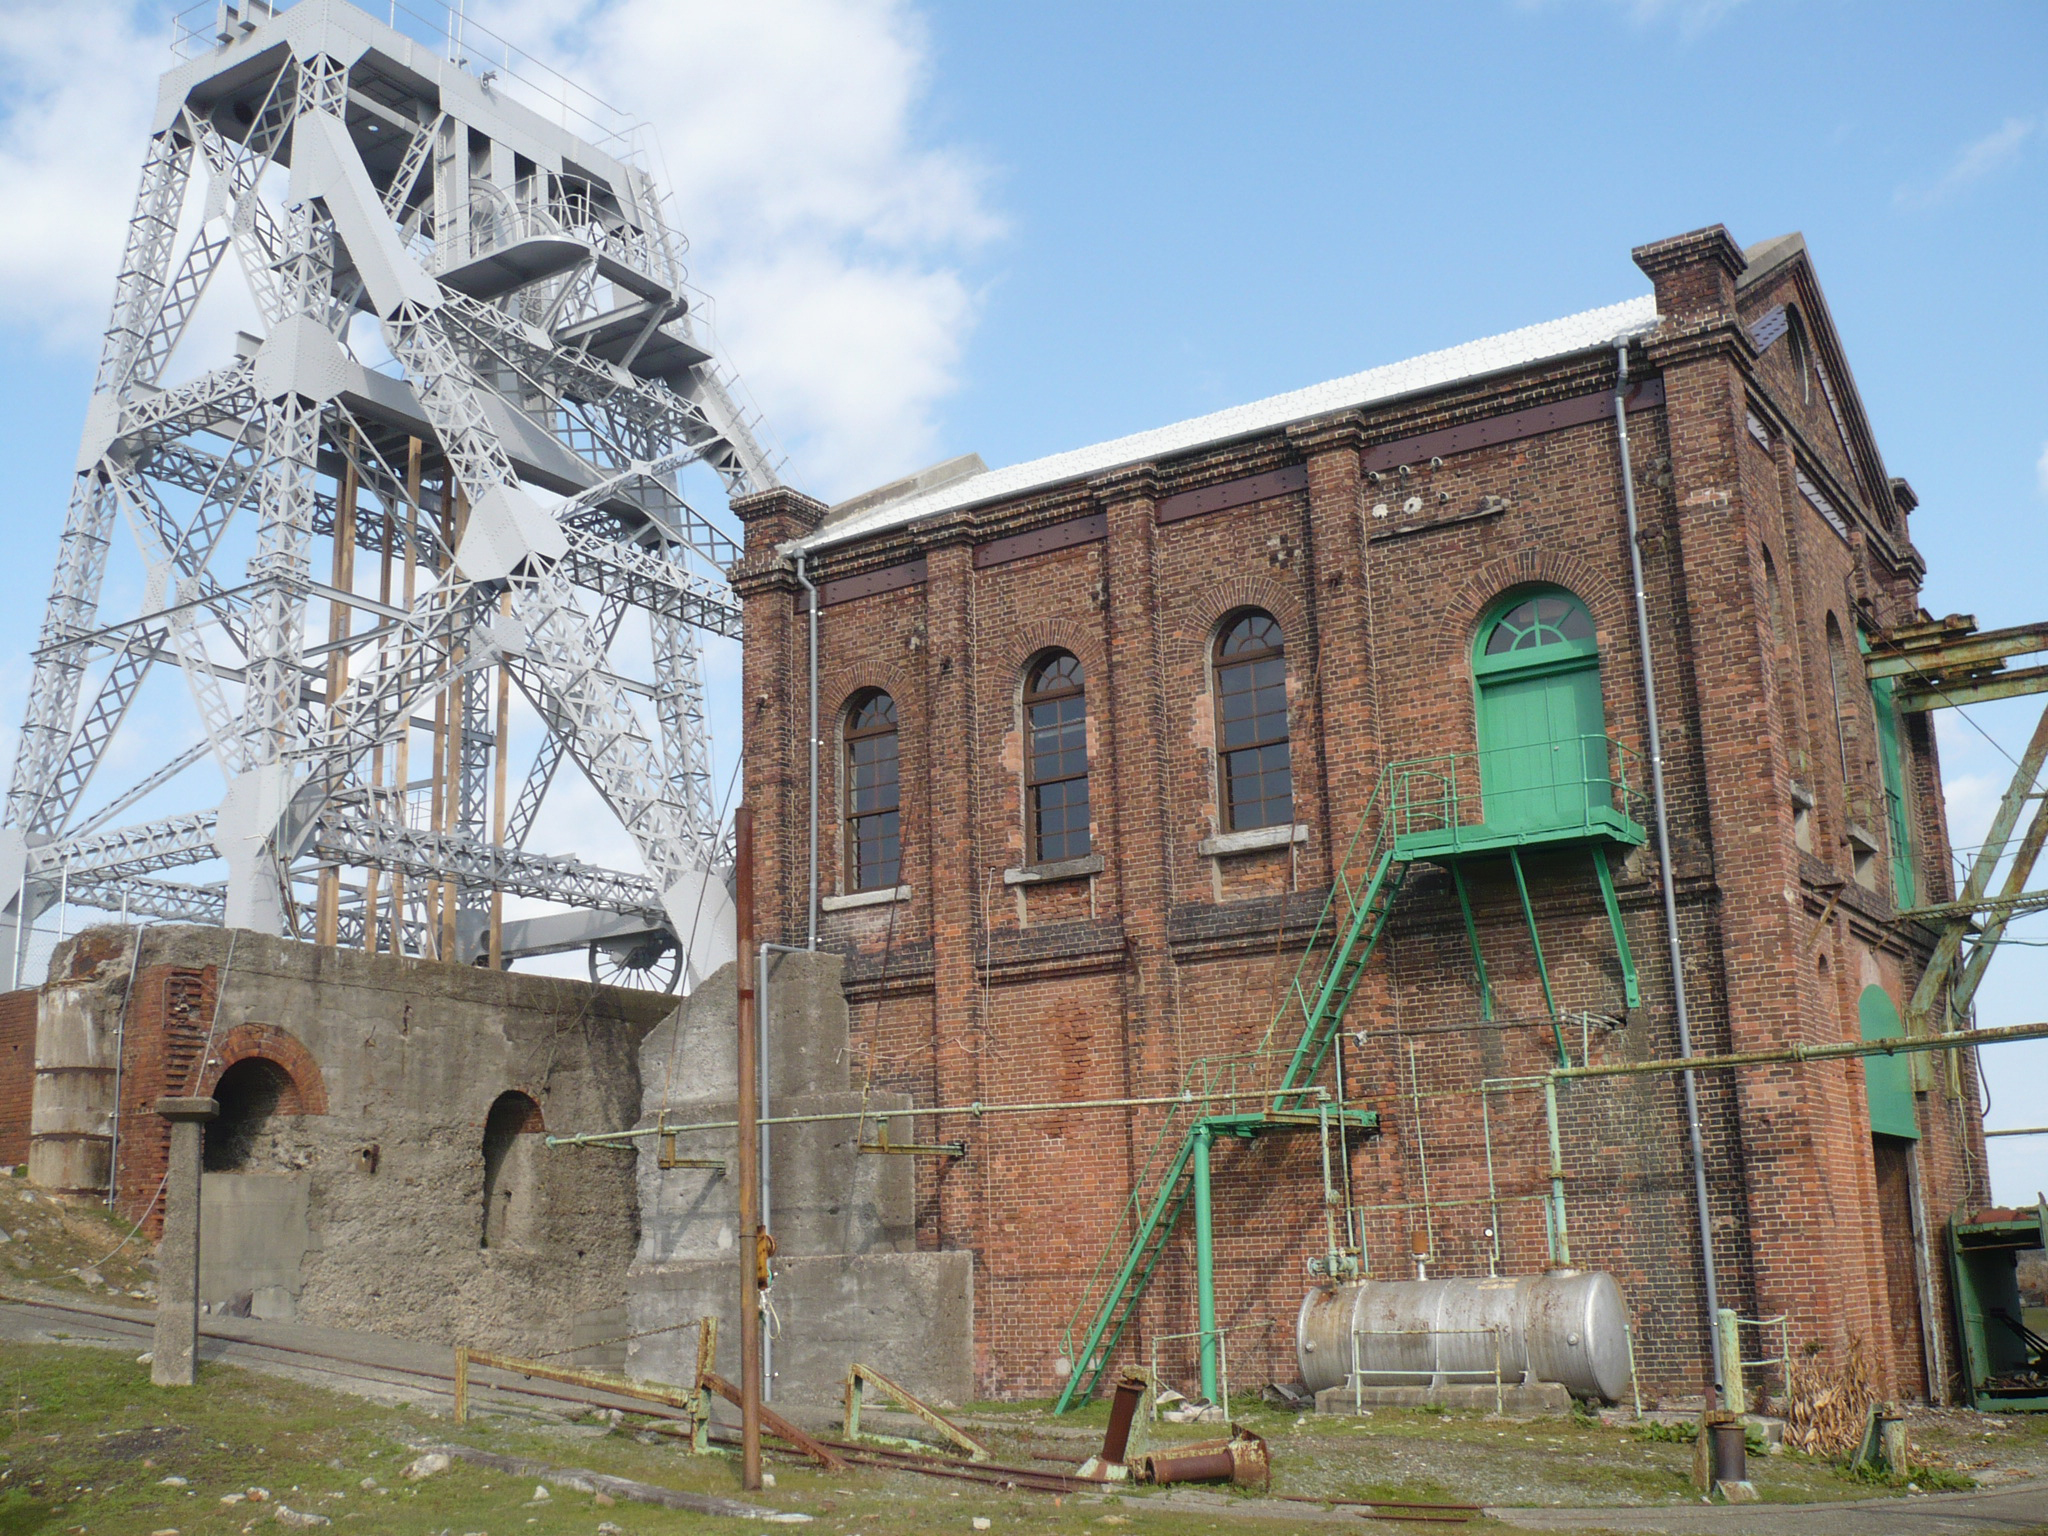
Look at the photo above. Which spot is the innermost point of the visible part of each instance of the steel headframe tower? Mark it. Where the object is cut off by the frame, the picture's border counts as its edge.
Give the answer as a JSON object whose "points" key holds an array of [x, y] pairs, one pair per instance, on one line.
{"points": [[477, 372]]}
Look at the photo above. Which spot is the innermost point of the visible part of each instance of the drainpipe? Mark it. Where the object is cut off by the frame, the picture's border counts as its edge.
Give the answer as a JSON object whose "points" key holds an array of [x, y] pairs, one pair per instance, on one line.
{"points": [[1692, 1098], [811, 900], [767, 1220]]}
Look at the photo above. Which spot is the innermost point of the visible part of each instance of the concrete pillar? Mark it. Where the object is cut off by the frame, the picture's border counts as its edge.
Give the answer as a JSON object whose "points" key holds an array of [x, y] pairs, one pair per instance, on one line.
{"points": [[176, 1361]]}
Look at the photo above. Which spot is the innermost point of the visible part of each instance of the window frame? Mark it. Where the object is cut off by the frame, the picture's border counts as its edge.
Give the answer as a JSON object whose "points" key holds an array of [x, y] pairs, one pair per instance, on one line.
{"points": [[1031, 695], [851, 815], [1228, 808]]}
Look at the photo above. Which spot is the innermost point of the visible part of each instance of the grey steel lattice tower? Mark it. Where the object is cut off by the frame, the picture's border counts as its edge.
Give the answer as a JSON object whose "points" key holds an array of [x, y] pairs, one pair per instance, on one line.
{"points": [[476, 379]]}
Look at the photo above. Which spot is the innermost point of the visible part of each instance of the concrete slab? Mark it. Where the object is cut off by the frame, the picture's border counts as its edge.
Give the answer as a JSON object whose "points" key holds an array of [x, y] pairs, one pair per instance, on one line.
{"points": [[1544, 1397]]}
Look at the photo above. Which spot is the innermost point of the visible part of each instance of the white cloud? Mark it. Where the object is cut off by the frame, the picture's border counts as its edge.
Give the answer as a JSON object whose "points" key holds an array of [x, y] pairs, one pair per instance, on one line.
{"points": [[831, 230], [829, 226], [77, 84], [1691, 17], [1976, 160]]}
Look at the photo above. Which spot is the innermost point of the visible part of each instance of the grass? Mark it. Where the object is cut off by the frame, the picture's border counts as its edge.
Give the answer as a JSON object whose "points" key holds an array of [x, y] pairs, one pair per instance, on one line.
{"points": [[86, 1444]]}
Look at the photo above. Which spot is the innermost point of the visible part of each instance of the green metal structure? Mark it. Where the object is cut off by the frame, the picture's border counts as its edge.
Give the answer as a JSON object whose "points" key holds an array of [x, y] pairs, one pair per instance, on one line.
{"points": [[1546, 778], [2005, 1357]]}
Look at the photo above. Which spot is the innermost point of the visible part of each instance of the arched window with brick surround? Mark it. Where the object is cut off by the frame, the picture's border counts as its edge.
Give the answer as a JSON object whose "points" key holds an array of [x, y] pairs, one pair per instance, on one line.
{"points": [[1056, 758], [1254, 756], [874, 804]]}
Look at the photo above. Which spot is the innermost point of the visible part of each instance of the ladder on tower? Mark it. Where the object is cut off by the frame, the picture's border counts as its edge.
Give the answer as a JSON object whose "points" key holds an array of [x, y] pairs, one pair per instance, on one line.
{"points": [[1346, 935]]}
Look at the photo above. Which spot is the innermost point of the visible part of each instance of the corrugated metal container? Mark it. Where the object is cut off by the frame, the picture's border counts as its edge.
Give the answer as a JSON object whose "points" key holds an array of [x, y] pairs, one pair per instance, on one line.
{"points": [[1566, 1326], [71, 1116]]}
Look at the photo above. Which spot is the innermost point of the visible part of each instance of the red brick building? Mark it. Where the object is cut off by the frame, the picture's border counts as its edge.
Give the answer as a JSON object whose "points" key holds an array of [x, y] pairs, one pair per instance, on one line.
{"points": [[1096, 734]]}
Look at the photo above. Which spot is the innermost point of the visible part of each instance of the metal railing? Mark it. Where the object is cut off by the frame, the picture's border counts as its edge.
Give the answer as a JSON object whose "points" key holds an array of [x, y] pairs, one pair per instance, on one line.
{"points": [[1435, 1373], [1570, 782], [1728, 1342], [1201, 1336]]}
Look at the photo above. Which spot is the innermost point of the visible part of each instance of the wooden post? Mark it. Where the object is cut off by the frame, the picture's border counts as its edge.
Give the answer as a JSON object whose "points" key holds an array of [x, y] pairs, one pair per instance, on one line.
{"points": [[327, 913], [371, 895], [461, 1385], [749, 1160], [403, 783]]}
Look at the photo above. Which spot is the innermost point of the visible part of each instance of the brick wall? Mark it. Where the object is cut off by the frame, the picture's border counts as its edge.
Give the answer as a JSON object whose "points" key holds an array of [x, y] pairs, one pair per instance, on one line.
{"points": [[1116, 983], [17, 1072]]}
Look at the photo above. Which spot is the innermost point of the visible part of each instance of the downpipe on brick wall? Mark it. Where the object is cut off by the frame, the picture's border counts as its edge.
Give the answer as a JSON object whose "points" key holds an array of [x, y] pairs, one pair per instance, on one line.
{"points": [[811, 897], [1692, 1099]]}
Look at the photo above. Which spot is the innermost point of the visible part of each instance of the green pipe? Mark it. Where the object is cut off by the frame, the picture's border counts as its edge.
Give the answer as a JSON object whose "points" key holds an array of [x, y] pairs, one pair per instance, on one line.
{"points": [[1205, 1262], [1563, 1253]]}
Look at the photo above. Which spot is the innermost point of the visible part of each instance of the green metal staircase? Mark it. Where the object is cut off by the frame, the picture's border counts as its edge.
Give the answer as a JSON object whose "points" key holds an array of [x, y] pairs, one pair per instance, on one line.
{"points": [[1276, 1098]]}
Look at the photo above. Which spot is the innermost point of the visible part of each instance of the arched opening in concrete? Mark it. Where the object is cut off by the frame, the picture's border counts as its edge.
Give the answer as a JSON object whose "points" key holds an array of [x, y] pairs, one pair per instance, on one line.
{"points": [[511, 1169], [250, 1093]]}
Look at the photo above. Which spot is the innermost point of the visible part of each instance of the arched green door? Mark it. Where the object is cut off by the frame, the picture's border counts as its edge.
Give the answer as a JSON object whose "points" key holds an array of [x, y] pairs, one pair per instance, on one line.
{"points": [[1542, 723], [1887, 1083]]}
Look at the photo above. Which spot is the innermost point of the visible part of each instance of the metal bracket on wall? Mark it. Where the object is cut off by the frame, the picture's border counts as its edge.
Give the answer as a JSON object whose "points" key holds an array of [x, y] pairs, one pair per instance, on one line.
{"points": [[668, 1158], [882, 1143]]}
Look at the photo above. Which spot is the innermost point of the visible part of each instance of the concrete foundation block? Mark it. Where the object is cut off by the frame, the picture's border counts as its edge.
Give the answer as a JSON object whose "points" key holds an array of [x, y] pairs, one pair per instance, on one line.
{"points": [[908, 1314], [1545, 1397]]}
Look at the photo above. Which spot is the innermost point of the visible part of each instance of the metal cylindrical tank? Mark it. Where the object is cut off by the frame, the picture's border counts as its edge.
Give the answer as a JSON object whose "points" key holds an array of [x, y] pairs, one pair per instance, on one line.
{"points": [[1566, 1326]]}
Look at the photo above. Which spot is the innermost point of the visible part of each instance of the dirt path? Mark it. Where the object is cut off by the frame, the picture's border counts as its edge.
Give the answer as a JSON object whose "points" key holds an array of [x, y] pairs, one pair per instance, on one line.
{"points": [[2012, 1510]]}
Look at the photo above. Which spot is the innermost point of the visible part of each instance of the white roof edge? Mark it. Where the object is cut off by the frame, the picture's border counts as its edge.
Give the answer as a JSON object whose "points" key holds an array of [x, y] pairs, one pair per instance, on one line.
{"points": [[1584, 332]]}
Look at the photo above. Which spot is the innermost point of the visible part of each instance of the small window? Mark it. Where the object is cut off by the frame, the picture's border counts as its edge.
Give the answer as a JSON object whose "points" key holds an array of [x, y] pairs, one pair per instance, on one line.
{"points": [[1056, 759], [874, 826], [1251, 724], [1544, 620]]}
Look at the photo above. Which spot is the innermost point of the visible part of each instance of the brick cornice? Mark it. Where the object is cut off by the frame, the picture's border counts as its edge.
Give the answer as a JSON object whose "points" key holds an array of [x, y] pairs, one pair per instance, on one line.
{"points": [[1675, 347], [1328, 433], [1134, 482], [1712, 244], [780, 499]]}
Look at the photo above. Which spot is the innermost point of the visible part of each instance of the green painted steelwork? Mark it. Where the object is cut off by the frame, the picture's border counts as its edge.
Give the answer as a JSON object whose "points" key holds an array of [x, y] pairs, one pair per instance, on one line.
{"points": [[1631, 987], [1898, 817], [1472, 938], [1983, 1258], [1205, 1261], [1536, 944], [1887, 1083]]}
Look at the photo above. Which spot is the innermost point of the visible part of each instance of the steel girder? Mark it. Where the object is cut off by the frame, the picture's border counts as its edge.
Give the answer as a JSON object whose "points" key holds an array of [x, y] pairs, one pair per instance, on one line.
{"points": [[369, 232]]}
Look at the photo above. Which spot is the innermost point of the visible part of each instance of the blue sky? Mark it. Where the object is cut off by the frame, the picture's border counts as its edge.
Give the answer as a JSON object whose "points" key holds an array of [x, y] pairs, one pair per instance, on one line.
{"points": [[1017, 229]]}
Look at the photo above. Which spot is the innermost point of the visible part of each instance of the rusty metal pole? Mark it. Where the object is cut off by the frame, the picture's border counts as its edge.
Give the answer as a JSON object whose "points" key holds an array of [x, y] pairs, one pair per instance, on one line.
{"points": [[749, 1170]]}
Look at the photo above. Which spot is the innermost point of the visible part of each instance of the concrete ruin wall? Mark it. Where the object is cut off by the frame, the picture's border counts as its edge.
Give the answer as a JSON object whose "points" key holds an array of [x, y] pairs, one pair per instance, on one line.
{"points": [[361, 1200], [850, 1284]]}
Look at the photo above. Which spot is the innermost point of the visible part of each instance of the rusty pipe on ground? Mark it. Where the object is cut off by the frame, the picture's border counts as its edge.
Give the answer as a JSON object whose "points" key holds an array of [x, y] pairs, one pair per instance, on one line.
{"points": [[1243, 1459]]}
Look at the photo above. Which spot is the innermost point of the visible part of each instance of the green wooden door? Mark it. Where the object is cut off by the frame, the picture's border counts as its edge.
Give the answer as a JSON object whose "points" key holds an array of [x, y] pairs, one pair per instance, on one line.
{"points": [[1542, 723], [1886, 1081]]}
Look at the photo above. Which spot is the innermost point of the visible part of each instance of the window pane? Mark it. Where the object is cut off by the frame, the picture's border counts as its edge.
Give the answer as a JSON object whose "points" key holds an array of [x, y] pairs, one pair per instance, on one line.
{"points": [[1260, 784], [1060, 820]]}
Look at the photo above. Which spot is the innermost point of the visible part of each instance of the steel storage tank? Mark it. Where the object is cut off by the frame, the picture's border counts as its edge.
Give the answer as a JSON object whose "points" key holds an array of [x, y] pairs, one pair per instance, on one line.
{"points": [[1567, 1326]]}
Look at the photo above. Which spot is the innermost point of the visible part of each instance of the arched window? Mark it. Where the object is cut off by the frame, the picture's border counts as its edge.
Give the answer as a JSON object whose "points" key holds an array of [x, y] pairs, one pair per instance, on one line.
{"points": [[1799, 354], [1252, 749], [1542, 721], [874, 818], [511, 1179], [1056, 758], [250, 1093]]}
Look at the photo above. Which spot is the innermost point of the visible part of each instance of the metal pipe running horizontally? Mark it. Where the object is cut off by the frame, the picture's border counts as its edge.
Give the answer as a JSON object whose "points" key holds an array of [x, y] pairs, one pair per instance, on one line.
{"points": [[973, 1111], [1703, 1211], [1836, 1050]]}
